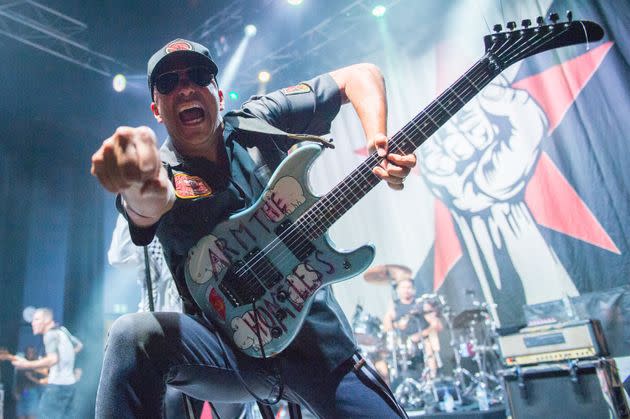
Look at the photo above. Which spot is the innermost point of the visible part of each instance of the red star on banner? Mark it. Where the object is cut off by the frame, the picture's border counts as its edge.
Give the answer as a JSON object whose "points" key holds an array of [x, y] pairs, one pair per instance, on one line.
{"points": [[548, 194]]}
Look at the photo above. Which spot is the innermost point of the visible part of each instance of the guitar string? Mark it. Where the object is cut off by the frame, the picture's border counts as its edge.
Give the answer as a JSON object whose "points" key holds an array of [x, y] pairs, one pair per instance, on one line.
{"points": [[448, 109], [329, 198], [321, 201], [393, 144], [306, 218], [398, 141]]}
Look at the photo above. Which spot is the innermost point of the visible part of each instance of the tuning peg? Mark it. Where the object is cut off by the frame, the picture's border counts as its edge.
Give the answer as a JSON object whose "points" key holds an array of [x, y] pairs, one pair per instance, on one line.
{"points": [[497, 28], [511, 25], [540, 20], [569, 15], [526, 23], [554, 17]]}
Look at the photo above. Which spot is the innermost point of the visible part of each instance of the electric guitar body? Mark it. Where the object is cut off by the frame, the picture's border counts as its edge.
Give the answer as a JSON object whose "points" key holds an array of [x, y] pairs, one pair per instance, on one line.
{"points": [[255, 276], [264, 254]]}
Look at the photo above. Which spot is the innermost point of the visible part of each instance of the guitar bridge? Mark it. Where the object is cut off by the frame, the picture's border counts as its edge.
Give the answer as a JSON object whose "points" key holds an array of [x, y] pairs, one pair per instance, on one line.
{"points": [[249, 279], [295, 240]]}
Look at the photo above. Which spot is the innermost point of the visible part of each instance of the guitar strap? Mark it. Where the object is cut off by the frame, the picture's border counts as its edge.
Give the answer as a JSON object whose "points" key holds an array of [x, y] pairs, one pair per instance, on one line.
{"points": [[370, 377], [147, 279], [262, 150], [246, 122]]}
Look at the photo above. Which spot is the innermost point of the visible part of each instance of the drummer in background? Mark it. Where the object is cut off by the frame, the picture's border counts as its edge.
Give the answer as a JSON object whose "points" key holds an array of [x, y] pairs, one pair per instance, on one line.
{"points": [[415, 323]]}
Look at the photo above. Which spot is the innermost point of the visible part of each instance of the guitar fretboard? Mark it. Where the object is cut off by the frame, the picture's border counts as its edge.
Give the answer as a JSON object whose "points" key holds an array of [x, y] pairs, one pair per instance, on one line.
{"points": [[314, 222]]}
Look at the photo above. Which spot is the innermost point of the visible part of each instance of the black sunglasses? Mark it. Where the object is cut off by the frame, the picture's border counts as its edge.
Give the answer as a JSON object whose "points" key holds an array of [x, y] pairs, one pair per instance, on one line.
{"points": [[165, 83]]}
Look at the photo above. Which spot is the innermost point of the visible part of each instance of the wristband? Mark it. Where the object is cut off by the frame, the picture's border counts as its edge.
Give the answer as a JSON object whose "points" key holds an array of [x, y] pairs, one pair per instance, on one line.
{"points": [[134, 212]]}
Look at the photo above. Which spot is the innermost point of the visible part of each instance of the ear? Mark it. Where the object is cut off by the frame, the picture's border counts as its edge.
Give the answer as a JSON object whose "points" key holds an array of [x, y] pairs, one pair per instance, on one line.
{"points": [[156, 112], [221, 100]]}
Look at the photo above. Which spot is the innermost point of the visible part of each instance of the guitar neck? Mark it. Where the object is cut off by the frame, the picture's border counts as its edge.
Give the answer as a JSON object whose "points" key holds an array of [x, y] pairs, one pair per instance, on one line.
{"points": [[357, 184]]}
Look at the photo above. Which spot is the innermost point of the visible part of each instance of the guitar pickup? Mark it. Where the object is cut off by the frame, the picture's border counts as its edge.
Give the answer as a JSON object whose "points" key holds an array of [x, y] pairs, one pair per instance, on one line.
{"points": [[249, 279], [295, 240]]}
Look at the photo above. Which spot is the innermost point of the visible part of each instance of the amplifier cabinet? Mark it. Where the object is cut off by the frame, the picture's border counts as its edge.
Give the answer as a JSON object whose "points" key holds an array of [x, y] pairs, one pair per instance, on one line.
{"points": [[576, 389], [553, 343]]}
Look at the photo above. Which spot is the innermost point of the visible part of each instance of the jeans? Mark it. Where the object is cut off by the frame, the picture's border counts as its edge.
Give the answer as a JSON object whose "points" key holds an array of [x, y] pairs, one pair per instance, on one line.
{"points": [[28, 403], [148, 351], [57, 402]]}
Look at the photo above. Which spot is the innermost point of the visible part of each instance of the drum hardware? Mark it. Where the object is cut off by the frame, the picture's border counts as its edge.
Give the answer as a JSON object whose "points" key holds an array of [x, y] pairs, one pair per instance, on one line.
{"points": [[475, 340], [407, 363]]}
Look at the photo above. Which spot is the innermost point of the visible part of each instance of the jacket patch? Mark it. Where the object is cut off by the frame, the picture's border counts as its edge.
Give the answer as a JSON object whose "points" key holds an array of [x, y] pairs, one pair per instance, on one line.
{"points": [[187, 186], [296, 90], [178, 45]]}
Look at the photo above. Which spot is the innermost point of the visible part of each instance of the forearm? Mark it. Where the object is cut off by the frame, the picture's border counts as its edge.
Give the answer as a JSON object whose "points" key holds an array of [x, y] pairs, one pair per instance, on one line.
{"points": [[45, 362], [363, 86]]}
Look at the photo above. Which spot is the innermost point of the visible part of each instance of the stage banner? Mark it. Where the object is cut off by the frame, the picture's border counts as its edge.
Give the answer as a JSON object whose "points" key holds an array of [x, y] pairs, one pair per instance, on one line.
{"points": [[530, 179]]}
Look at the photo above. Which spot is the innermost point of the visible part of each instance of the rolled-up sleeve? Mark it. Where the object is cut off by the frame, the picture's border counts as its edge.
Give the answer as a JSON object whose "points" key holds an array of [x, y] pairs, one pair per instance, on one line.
{"points": [[306, 108]]}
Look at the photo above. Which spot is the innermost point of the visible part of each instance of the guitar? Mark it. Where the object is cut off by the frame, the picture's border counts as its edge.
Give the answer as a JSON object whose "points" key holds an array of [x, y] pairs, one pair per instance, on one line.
{"points": [[256, 274]]}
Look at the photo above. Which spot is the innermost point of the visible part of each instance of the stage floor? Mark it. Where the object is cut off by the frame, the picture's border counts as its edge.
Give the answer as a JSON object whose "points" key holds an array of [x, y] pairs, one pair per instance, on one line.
{"points": [[495, 412]]}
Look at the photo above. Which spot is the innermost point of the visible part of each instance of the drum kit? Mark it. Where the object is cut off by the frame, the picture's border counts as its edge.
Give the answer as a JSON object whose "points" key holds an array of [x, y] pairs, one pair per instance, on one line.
{"points": [[423, 376]]}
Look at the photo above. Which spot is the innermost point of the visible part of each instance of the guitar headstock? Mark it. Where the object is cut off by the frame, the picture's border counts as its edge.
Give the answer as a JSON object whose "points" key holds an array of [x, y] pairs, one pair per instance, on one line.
{"points": [[515, 44]]}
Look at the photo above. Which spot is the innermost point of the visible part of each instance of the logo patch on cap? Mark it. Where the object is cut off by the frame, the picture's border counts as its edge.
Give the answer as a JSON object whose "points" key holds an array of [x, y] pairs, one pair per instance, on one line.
{"points": [[296, 90], [178, 46], [188, 187]]}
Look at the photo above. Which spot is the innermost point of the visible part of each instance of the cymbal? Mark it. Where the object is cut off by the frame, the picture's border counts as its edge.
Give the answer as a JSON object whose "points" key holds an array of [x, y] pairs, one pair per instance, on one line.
{"points": [[386, 274]]}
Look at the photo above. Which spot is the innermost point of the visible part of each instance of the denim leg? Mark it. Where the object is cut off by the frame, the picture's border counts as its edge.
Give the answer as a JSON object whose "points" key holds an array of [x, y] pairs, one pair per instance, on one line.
{"points": [[339, 395], [147, 351], [57, 402]]}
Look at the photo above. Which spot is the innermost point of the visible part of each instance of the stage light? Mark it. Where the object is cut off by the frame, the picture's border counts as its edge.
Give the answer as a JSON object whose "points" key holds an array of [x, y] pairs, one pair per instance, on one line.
{"points": [[379, 10], [233, 95], [264, 76], [294, 2], [119, 83], [250, 30]]}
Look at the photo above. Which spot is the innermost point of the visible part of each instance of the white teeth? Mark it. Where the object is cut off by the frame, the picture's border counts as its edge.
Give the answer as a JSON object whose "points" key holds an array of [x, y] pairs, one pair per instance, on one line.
{"points": [[189, 106]]}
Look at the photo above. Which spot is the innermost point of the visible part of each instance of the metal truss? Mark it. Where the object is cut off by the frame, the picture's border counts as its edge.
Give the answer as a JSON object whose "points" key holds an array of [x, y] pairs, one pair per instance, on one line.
{"points": [[227, 23], [51, 31], [316, 43]]}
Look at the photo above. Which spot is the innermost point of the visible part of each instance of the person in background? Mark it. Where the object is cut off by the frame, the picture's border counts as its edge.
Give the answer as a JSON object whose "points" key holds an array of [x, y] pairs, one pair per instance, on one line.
{"points": [[61, 347], [416, 322], [124, 254], [27, 387]]}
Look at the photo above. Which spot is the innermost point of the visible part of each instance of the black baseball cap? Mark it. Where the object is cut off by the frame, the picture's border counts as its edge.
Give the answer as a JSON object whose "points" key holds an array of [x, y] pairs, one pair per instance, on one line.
{"points": [[197, 54]]}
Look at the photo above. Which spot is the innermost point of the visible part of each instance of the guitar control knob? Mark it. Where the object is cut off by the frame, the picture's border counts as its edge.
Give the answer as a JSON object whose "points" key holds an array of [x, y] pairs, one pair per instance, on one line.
{"points": [[526, 23], [276, 332], [540, 20], [280, 314], [511, 25], [554, 17], [497, 28], [282, 295]]}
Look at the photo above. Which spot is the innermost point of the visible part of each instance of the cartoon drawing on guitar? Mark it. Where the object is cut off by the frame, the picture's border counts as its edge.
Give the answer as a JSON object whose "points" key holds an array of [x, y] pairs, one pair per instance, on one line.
{"points": [[256, 274], [267, 245]]}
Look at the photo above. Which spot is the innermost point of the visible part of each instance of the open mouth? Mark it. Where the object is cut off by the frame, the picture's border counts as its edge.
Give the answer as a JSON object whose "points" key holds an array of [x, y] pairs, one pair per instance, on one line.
{"points": [[191, 116]]}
